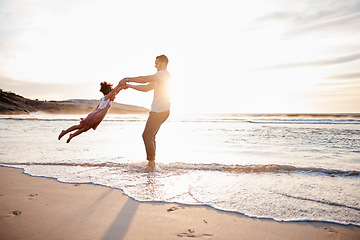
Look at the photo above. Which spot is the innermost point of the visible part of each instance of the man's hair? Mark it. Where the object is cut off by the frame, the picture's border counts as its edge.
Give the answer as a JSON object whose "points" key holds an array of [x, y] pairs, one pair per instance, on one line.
{"points": [[105, 87], [163, 58]]}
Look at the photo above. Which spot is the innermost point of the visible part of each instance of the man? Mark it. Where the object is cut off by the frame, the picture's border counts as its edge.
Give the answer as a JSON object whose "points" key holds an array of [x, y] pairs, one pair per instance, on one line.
{"points": [[160, 107]]}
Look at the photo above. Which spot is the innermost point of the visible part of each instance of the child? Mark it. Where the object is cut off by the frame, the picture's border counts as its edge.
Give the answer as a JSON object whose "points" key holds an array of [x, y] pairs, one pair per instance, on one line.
{"points": [[95, 117]]}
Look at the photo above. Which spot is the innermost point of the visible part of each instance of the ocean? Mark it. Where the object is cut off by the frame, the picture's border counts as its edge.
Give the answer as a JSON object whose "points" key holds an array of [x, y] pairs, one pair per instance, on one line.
{"points": [[282, 167]]}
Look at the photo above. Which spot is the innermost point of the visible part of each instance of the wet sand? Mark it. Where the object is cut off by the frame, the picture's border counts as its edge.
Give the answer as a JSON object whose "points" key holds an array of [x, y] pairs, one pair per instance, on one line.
{"points": [[43, 208]]}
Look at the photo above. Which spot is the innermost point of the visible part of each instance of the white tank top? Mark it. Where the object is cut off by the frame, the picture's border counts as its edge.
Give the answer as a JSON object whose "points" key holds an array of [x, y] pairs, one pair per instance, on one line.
{"points": [[161, 102], [103, 103]]}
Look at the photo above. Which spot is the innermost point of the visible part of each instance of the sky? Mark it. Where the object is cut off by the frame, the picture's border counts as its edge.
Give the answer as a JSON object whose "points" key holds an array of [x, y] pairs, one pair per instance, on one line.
{"points": [[256, 56]]}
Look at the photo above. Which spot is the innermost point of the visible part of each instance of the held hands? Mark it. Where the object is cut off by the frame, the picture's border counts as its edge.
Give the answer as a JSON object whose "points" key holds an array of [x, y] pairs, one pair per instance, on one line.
{"points": [[123, 82], [122, 85]]}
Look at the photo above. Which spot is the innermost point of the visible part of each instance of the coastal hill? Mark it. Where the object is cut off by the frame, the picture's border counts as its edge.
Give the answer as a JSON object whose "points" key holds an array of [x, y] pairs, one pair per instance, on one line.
{"points": [[11, 103]]}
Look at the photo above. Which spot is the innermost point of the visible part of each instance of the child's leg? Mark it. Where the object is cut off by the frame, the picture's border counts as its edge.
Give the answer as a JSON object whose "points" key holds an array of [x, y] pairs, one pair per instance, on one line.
{"points": [[70, 129], [81, 130]]}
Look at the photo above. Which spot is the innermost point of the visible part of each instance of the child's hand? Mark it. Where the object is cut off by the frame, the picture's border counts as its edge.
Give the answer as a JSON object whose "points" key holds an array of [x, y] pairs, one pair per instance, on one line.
{"points": [[122, 83]]}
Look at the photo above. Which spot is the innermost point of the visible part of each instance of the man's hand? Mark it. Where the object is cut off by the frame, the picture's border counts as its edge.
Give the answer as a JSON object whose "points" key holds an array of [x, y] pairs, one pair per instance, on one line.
{"points": [[123, 82], [121, 85]]}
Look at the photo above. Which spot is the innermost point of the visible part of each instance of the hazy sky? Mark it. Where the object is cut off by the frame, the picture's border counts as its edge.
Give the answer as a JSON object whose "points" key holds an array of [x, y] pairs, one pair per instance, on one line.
{"points": [[225, 56]]}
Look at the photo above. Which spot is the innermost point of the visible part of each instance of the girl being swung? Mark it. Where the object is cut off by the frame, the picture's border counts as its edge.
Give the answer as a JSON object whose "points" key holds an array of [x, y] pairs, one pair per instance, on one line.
{"points": [[95, 117]]}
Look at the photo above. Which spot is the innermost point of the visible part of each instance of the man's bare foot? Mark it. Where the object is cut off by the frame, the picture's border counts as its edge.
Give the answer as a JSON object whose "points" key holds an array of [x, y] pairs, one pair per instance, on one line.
{"points": [[150, 167], [61, 134]]}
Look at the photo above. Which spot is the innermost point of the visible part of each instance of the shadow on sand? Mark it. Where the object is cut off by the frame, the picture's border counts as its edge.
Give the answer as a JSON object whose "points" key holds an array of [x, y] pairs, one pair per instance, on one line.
{"points": [[121, 224]]}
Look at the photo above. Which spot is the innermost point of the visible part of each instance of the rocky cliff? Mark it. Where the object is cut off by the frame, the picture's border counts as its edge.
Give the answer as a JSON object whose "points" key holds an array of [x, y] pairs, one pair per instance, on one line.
{"points": [[11, 103]]}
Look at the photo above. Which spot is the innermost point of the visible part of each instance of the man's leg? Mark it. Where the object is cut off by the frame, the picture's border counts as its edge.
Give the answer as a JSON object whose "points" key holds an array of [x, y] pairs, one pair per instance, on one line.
{"points": [[151, 128]]}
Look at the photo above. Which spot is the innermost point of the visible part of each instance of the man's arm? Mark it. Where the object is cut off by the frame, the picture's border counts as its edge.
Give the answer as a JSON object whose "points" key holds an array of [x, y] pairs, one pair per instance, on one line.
{"points": [[140, 79], [143, 79], [143, 87]]}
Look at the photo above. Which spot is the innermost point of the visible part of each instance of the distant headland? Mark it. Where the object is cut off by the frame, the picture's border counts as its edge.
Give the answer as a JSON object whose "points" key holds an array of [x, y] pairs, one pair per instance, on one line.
{"points": [[11, 103]]}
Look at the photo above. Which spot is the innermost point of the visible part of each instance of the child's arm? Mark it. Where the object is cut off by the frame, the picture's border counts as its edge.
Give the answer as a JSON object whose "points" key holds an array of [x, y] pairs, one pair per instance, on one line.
{"points": [[119, 89], [114, 92]]}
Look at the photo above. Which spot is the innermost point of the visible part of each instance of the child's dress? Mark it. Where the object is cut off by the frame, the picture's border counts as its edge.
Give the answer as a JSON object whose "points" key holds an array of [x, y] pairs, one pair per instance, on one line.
{"points": [[95, 117]]}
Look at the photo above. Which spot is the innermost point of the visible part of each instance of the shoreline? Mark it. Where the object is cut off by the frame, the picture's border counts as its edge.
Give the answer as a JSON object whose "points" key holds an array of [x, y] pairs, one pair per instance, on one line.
{"points": [[43, 208], [185, 204]]}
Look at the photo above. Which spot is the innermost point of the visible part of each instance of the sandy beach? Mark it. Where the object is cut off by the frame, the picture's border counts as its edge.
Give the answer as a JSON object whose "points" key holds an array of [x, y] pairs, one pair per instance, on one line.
{"points": [[43, 208]]}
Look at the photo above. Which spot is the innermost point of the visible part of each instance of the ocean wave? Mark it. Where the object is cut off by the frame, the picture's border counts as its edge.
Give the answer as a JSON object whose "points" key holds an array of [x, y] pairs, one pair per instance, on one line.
{"points": [[306, 121], [70, 118], [234, 169], [322, 201], [39, 119], [253, 119], [263, 168]]}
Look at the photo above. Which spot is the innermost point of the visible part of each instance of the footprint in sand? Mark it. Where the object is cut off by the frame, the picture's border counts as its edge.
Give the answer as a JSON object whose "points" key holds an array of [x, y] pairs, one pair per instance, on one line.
{"points": [[329, 229], [191, 234], [31, 196], [16, 212], [11, 214], [174, 208]]}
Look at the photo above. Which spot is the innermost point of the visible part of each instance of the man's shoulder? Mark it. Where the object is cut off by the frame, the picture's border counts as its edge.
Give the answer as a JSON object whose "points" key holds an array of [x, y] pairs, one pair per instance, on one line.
{"points": [[163, 74]]}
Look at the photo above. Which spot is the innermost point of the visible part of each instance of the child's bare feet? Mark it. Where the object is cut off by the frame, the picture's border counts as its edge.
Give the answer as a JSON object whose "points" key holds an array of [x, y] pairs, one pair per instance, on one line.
{"points": [[70, 137], [150, 167], [61, 134]]}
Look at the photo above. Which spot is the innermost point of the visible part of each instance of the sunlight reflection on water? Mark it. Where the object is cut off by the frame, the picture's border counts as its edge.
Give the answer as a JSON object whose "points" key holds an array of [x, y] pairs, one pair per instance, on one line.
{"points": [[267, 167]]}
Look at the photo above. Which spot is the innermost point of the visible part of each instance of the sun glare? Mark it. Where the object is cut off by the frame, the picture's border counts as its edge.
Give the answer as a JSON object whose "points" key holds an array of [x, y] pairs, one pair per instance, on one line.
{"points": [[230, 61]]}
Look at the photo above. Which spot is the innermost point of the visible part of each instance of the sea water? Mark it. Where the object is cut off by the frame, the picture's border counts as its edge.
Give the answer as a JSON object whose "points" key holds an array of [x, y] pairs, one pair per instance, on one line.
{"points": [[288, 168]]}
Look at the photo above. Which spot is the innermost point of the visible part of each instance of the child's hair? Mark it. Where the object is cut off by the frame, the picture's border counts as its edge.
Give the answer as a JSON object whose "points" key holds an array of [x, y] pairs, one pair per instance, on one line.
{"points": [[105, 87]]}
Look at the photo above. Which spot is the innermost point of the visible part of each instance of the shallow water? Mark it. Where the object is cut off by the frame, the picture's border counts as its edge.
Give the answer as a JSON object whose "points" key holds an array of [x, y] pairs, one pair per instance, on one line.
{"points": [[281, 167]]}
